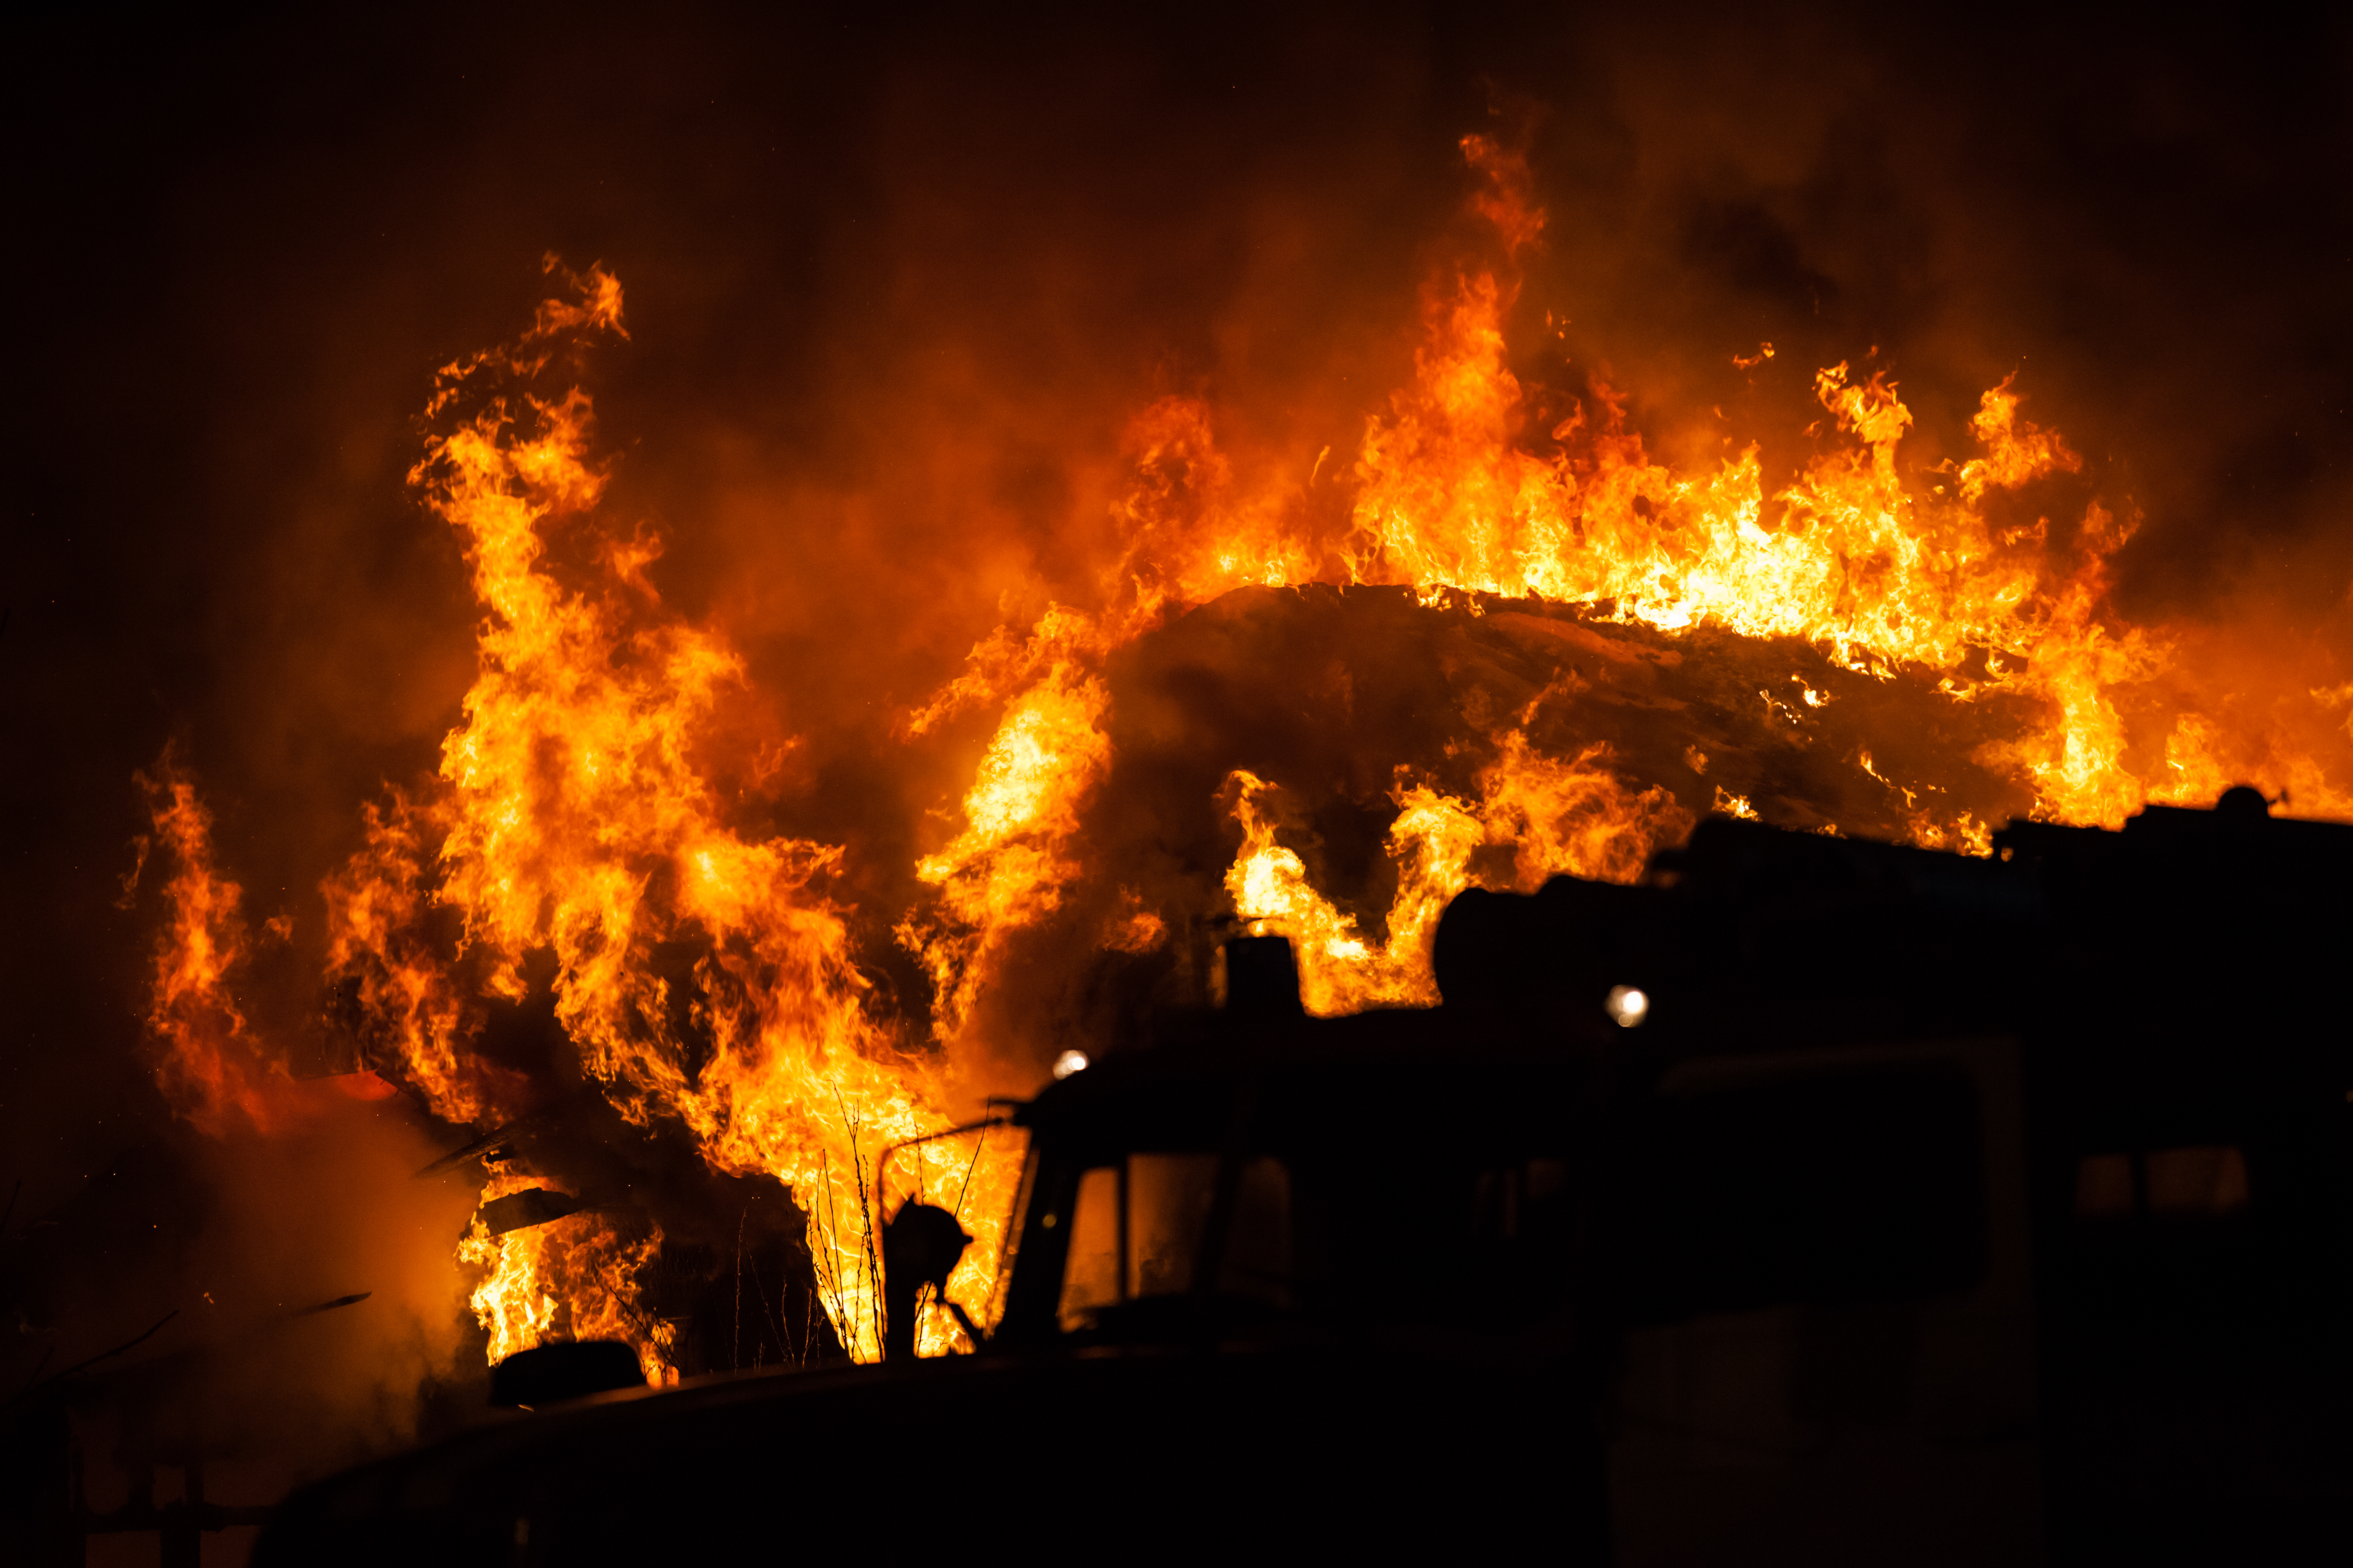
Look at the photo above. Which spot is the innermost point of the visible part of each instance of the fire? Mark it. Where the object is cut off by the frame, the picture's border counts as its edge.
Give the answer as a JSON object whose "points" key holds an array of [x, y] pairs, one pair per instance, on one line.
{"points": [[1007, 869], [215, 1068], [575, 1277], [1555, 817], [407, 1004], [1847, 558], [584, 825], [1882, 574], [577, 816], [1340, 969]]}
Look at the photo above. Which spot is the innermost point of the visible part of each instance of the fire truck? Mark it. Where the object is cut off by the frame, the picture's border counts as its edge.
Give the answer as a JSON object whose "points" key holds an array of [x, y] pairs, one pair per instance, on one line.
{"points": [[1809, 1200]]}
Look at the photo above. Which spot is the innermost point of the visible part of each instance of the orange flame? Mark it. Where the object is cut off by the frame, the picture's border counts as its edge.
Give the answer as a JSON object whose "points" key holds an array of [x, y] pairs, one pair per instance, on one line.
{"points": [[214, 1069], [404, 998], [1555, 817], [575, 818], [575, 1277], [1880, 576], [1007, 869]]}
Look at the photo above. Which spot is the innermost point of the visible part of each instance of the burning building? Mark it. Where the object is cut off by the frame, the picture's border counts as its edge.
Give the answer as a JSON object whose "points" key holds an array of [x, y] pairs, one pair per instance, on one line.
{"points": [[706, 918]]}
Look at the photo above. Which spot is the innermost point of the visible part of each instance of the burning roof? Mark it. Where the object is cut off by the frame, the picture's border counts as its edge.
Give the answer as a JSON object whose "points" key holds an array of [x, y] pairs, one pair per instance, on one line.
{"points": [[711, 864], [1478, 652]]}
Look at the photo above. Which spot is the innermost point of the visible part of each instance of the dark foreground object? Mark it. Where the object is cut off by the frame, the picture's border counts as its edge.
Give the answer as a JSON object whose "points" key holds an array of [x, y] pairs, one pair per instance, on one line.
{"points": [[1919, 1210], [552, 1374], [1110, 1457]]}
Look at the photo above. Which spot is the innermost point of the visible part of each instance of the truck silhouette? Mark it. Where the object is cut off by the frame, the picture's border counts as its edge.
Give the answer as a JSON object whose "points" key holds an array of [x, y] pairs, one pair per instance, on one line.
{"points": [[1812, 1201]]}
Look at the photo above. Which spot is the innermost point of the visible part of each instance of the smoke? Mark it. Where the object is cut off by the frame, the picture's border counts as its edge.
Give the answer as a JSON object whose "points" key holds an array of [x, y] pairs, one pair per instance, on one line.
{"points": [[2141, 220], [298, 1288], [897, 293], [331, 1211]]}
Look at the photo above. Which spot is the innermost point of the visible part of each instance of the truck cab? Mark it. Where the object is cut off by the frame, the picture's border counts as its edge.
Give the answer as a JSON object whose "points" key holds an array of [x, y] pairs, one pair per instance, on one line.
{"points": [[1924, 1210]]}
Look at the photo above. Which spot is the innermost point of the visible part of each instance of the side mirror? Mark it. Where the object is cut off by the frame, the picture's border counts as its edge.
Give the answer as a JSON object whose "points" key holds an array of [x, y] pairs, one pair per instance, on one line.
{"points": [[921, 1245]]}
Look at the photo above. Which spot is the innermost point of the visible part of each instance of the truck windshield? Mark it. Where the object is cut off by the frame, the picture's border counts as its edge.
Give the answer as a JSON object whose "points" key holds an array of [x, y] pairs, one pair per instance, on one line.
{"points": [[1140, 1230], [1300, 1234]]}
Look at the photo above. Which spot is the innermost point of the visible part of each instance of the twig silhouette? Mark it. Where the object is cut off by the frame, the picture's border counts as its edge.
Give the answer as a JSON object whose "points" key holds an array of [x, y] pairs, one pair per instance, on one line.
{"points": [[979, 1145], [102, 1355], [865, 1220]]}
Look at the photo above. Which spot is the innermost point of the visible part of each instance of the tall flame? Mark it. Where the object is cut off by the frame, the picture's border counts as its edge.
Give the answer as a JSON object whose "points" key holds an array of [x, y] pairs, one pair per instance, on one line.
{"points": [[577, 820], [1882, 576], [1007, 870], [576, 1277], [214, 1069], [705, 975], [1555, 817]]}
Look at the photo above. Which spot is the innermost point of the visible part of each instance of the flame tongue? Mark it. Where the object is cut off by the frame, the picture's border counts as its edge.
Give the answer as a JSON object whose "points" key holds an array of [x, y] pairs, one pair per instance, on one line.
{"points": [[575, 818], [215, 1071], [1975, 630], [1554, 655]]}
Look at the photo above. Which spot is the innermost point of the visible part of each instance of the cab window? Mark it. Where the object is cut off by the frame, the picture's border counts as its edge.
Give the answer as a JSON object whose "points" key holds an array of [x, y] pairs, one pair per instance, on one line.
{"points": [[1139, 1228]]}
